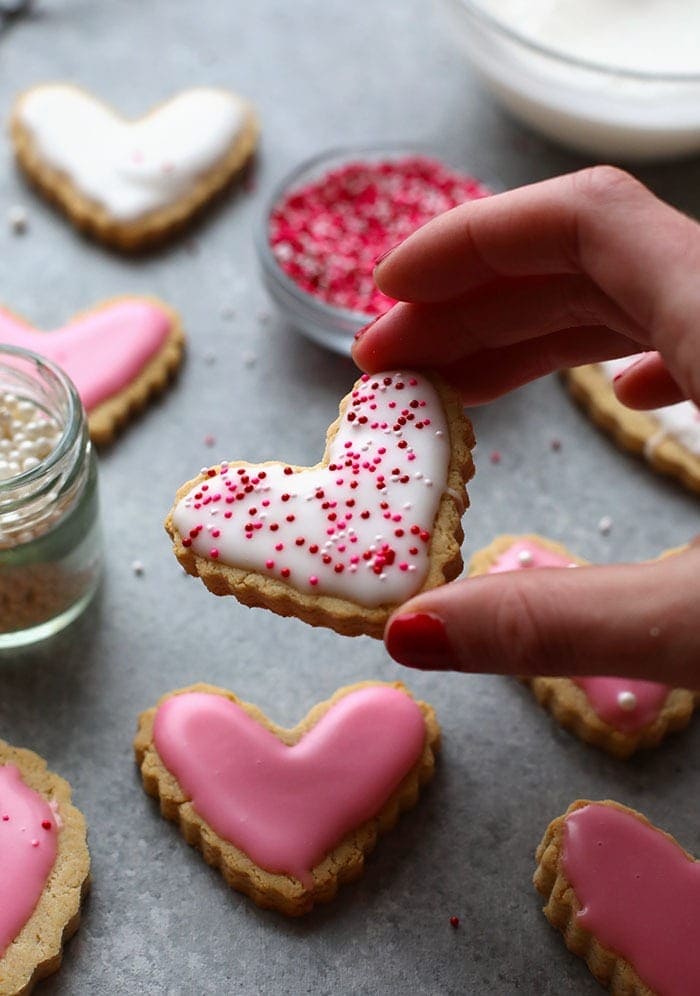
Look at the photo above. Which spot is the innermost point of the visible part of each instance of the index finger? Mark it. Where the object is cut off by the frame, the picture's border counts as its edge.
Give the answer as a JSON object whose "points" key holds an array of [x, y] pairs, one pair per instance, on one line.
{"points": [[600, 222]]}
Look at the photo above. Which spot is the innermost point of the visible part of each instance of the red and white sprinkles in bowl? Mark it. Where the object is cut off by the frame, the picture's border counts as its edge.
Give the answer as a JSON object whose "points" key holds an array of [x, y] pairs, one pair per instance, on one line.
{"points": [[359, 525], [328, 233]]}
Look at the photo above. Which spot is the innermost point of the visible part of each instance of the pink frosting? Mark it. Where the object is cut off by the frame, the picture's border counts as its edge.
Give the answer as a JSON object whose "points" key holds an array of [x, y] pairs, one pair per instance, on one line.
{"points": [[101, 352], [28, 844], [288, 807], [626, 705], [639, 895]]}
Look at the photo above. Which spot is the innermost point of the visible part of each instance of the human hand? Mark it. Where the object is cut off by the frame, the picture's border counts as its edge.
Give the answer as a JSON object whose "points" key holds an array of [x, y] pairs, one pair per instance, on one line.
{"points": [[495, 293]]}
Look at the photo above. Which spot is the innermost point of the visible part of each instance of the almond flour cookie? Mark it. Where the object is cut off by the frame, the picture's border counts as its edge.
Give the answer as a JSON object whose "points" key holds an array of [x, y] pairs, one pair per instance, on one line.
{"points": [[343, 543], [621, 715], [117, 354], [131, 184], [287, 815], [44, 869], [669, 438], [625, 896]]}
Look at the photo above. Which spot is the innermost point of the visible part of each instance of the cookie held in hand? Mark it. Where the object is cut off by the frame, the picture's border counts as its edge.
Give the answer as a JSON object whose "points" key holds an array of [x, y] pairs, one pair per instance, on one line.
{"points": [[345, 542], [621, 715], [131, 184], [287, 815], [669, 438], [625, 895], [118, 354], [44, 869]]}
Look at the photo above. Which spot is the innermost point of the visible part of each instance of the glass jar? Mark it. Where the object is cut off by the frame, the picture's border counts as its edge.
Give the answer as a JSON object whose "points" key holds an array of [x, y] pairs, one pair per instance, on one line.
{"points": [[50, 540]]}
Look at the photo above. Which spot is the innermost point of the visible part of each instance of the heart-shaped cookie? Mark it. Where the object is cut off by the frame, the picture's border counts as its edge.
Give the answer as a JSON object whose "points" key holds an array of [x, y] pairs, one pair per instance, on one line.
{"points": [[44, 868], [131, 183], [668, 437], [620, 715], [625, 895], [287, 815], [342, 543], [118, 355]]}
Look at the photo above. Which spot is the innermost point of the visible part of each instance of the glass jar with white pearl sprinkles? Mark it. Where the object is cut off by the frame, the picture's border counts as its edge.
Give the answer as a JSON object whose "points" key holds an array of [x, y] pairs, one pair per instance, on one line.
{"points": [[50, 541]]}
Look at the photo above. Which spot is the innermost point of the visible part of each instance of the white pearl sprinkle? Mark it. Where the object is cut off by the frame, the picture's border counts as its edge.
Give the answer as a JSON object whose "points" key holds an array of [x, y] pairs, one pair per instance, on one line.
{"points": [[138, 568], [627, 701], [17, 219], [605, 525], [525, 558]]}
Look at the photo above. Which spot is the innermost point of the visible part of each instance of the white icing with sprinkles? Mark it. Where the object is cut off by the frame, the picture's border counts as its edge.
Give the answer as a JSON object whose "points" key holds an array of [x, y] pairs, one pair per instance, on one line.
{"points": [[679, 422], [359, 527], [131, 167]]}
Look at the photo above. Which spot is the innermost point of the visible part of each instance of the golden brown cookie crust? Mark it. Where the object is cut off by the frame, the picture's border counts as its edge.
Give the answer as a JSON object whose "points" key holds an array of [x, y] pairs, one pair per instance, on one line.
{"points": [[632, 430], [107, 419], [562, 906], [344, 863], [37, 950], [151, 228], [341, 615], [566, 701]]}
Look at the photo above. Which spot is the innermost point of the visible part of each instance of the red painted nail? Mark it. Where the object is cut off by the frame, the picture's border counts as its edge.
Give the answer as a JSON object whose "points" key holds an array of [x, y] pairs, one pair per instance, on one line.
{"points": [[361, 332], [419, 639], [384, 255]]}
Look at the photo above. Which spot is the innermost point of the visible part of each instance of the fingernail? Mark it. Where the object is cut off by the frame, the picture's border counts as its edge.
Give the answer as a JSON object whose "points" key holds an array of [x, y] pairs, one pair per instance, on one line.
{"points": [[419, 639], [623, 373], [384, 255], [361, 332]]}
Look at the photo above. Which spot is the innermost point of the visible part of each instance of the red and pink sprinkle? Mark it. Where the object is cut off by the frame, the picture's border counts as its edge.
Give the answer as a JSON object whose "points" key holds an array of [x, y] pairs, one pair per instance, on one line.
{"points": [[328, 235]]}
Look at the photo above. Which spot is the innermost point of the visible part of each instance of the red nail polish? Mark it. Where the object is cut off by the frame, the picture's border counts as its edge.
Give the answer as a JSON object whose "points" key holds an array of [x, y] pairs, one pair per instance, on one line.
{"points": [[361, 332], [419, 639], [384, 255]]}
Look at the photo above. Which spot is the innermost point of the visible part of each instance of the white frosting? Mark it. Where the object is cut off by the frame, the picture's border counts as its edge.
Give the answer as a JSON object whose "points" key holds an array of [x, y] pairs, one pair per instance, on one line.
{"points": [[679, 422], [651, 35], [370, 512], [131, 167]]}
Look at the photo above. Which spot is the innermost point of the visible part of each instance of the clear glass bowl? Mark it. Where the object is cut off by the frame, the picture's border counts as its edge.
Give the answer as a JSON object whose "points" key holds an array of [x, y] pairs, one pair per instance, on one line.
{"points": [[330, 326], [604, 111]]}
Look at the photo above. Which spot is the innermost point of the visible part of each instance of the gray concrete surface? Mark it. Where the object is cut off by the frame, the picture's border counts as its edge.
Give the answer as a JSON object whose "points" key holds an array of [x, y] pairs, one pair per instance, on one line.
{"points": [[158, 920]]}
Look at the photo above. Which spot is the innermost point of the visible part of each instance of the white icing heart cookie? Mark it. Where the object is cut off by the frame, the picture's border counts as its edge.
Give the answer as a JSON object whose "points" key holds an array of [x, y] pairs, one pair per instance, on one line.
{"points": [[131, 183], [118, 355], [669, 438], [345, 542], [620, 715], [44, 869]]}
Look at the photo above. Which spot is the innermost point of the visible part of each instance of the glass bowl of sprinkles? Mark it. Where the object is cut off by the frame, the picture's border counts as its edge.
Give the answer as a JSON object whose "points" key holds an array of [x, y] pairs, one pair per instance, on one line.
{"points": [[328, 222]]}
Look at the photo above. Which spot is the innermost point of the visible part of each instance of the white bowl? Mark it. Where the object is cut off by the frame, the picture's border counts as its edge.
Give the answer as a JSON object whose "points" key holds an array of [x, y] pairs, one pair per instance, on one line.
{"points": [[605, 111]]}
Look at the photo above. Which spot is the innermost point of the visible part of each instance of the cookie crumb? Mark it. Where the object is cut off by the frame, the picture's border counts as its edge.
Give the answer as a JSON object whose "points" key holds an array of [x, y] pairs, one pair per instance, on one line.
{"points": [[138, 568], [210, 357], [209, 440], [495, 457], [249, 359], [655, 631], [454, 922], [605, 525], [555, 445], [17, 219]]}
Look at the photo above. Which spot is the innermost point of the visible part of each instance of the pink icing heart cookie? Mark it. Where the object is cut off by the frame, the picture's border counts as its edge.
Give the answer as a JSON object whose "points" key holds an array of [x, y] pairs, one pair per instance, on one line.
{"points": [[131, 183], [618, 714], [669, 438], [342, 543], [44, 869], [625, 895], [287, 815], [118, 355]]}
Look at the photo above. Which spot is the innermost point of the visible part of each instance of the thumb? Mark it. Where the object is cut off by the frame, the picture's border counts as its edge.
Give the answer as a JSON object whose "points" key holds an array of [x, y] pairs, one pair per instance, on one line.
{"points": [[637, 621]]}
